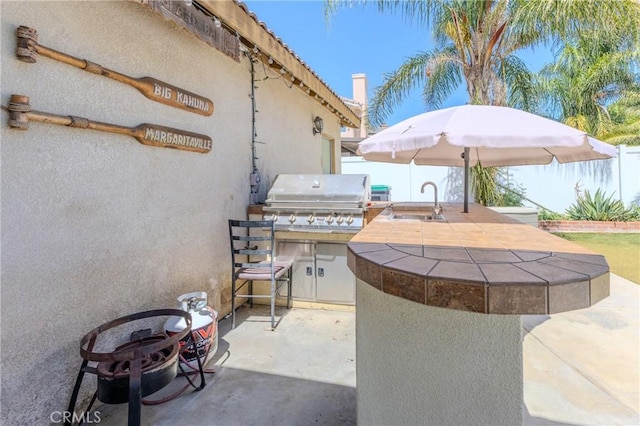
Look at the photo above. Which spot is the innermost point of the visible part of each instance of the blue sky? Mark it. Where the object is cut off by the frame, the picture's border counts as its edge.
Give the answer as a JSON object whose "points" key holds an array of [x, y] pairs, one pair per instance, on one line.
{"points": [[356, 40]]}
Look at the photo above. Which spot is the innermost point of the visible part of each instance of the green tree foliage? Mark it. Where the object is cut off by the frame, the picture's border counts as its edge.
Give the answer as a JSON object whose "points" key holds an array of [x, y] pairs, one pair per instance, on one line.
{"points": [[544, 214], [624, 121], [594, 85], [477, 43], [634, 213]]}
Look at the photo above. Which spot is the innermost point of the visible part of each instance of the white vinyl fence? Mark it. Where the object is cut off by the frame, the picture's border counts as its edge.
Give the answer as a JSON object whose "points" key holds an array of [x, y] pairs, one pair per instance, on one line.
{"points": [[553, 186]]}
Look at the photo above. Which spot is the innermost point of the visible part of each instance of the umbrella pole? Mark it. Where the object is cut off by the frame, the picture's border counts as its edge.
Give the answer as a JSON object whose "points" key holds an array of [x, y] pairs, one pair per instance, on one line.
{"points": [[465, 155]]}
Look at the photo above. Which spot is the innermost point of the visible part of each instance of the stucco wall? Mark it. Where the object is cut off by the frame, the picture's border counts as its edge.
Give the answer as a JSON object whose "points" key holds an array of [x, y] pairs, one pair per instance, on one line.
{"points": [[96, 225], [420, 365], [285, 117]]}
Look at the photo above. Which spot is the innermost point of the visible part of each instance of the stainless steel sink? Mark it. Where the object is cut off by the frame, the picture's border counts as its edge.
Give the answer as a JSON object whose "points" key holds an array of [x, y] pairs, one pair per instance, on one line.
{"points": [[413, 211], [411, 206], [416, 216], [410, 216]]}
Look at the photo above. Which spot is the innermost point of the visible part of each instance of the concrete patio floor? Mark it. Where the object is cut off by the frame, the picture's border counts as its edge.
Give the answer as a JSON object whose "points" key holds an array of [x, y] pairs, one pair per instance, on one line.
{"points": [[580, 368]]}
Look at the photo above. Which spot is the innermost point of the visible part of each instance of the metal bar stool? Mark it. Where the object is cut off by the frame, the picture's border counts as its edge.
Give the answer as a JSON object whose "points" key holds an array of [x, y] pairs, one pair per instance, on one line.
{"points": [[253, 259]]}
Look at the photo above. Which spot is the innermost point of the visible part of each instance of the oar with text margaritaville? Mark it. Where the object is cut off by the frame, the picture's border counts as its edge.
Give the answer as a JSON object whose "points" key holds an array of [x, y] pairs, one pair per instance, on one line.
{"points": [[20, 114], [28, 48]]}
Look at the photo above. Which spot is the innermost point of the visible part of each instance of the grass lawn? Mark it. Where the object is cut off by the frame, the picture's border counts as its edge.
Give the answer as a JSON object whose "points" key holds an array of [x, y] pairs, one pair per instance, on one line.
{"points": [[622, 251]]}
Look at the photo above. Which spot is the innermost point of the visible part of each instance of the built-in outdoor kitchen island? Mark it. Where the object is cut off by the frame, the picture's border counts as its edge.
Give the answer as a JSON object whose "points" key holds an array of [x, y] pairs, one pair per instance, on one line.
{"points": [[438, 305], [439, 294]]}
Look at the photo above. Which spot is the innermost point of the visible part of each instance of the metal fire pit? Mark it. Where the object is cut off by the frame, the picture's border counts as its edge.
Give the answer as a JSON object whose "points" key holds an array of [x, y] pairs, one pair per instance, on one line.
{"points": [[135, 369], [158, 369]]}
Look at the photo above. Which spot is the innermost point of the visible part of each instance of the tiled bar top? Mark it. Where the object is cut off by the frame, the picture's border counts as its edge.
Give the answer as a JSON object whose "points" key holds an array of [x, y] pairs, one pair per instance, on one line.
{"points": [[480, 261]]}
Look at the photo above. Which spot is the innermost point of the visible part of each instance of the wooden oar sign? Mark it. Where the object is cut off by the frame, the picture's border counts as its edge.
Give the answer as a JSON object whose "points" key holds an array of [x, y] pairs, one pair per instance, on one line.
{"points": [[20, 114], [156, 90]]}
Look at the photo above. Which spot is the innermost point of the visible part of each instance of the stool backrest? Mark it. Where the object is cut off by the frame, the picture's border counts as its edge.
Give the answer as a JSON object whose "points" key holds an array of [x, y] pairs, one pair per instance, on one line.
{"points": [[253, 240]]}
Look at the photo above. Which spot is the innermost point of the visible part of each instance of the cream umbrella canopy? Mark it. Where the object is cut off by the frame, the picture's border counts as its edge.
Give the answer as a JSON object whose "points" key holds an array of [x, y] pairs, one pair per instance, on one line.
{"points": [[494, 136]]}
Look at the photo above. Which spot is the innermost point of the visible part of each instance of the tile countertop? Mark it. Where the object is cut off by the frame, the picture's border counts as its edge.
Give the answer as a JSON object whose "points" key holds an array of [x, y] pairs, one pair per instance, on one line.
{"points": [[481, 261]]}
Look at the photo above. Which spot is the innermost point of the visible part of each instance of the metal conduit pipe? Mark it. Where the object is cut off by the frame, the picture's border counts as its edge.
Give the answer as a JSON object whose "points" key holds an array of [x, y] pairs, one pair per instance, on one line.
{"points": [[254, 177]]}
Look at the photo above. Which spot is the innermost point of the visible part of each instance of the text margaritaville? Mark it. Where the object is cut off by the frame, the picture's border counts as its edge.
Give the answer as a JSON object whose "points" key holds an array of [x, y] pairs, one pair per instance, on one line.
{"points": [[173, 138]]}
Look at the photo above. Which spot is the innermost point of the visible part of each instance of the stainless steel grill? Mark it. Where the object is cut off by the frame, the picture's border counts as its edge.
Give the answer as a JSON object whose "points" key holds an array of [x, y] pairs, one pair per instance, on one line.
{"points": [[318, 203]]}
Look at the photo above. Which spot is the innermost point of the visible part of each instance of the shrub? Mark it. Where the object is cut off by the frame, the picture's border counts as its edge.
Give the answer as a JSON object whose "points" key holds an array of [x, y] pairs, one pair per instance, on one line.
{"points": [[506, 192], [599, 207], [634, 213], [545, 214], [512, 195]]}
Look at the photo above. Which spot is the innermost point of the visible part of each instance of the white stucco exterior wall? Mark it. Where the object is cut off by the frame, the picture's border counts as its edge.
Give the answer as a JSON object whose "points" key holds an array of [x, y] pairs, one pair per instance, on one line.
{"points": [[284, 123], [422, 365], [95, 225]]}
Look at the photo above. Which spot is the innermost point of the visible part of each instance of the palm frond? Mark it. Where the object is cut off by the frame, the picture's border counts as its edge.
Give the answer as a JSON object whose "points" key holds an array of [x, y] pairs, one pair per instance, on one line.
{"points": [[418, 11], [563, 19], [484, 184], [578, 121], [397, 85], [590, 73], [624, 123], [522, 90], [443, 78]]}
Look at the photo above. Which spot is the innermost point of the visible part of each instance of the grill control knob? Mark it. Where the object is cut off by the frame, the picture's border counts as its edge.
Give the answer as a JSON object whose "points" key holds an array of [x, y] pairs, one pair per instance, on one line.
{"points": [[339, 220], [329, 219], [292, 218], [311, 219], [350, 220]]}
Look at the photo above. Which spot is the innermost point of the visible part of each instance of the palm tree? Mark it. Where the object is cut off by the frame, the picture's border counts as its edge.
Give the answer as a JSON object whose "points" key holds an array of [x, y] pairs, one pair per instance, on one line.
{"points": [[477, 44], [625, 121], [594, 85]]}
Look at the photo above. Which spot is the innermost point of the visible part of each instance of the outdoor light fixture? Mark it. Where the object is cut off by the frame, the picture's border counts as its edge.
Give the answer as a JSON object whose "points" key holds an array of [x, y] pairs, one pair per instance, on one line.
{"points": [[217, 23], [318, 125]]}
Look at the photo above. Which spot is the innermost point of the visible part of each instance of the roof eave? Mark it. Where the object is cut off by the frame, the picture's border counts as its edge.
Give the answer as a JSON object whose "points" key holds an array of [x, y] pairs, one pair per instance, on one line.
{"points": [[254, 33]]}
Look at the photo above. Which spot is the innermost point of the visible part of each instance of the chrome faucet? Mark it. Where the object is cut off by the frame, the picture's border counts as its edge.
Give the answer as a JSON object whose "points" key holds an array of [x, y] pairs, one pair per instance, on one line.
{"points": [[436, 208]]}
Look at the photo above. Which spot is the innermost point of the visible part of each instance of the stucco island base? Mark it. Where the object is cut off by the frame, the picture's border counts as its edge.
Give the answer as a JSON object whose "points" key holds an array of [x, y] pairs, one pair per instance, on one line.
{"points": [[420, 365]]}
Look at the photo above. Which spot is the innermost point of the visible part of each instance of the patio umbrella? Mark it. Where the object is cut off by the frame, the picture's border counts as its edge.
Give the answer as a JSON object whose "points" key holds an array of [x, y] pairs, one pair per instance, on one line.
{"points": [[492, 135]]}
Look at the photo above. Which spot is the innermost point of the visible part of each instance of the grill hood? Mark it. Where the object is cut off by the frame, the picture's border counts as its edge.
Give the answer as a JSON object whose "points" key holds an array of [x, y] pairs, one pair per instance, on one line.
{"points": [[319, 192]]}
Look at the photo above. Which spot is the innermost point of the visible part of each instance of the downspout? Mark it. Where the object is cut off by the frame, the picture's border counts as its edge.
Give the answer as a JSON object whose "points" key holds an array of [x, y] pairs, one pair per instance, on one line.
{"points": [[254, 177]]}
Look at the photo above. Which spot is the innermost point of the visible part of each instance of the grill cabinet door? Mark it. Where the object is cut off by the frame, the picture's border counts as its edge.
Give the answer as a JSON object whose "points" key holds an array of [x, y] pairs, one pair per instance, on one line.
{"points": [[335, 281], [304, 282]]}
